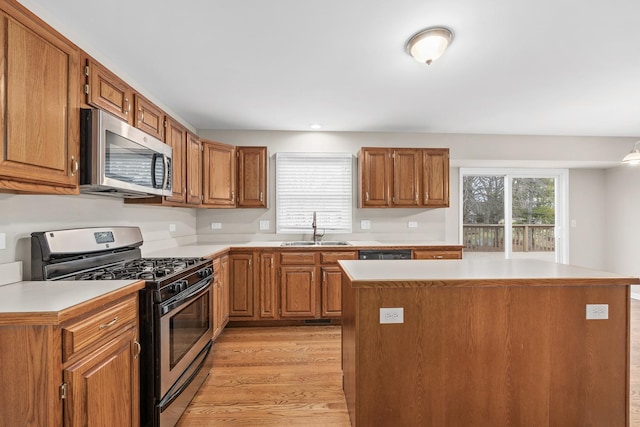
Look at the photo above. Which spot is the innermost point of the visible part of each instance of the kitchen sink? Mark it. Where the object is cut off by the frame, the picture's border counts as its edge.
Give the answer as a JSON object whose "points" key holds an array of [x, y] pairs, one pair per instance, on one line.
{"points": [[320, 243]]}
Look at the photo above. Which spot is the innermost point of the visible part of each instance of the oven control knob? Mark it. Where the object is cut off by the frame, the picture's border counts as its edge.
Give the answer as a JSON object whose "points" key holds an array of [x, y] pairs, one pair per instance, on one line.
{"points": [[205, 272]]}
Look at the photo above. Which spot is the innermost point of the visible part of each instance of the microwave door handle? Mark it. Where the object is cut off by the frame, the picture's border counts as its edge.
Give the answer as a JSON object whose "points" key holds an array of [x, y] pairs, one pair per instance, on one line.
{"points": [[165, 180], [154, 166]]}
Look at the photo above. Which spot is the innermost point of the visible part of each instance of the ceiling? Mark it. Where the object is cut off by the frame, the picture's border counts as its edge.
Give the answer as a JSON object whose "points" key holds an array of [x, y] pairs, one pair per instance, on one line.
{"points": [[544, 67]]}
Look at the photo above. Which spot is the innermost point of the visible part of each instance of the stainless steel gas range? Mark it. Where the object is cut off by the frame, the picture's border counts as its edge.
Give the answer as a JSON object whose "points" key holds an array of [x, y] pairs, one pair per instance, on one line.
{"points": [[175, 307]]}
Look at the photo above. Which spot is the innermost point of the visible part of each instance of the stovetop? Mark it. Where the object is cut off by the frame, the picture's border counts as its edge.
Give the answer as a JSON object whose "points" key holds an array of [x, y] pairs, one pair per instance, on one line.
{"points": [[149, 269]]}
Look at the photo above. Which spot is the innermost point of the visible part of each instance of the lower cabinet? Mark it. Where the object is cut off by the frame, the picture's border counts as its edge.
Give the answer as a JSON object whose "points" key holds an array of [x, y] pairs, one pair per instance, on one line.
{"points": [[331, 291], [102, 388], [298, 291], [241, 295], [220, 308], [83, 371]]}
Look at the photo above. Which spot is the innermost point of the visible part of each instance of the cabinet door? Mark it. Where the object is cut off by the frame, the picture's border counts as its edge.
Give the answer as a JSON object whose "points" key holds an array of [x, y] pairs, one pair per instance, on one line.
{"points": [[252, 177], [219, 175], [107, 91], [375, 176], [241, 286], [194, 169], [331, 292], [103, 387], [268, 291], [298, 292], [39, 108], [435, 177], [217, 299], [406, 177], [176, 137], [148, 117], [224, 282]]}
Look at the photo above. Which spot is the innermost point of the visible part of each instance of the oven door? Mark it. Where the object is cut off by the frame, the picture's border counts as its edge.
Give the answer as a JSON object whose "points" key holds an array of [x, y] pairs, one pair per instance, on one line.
{"points": [[185, 330]]}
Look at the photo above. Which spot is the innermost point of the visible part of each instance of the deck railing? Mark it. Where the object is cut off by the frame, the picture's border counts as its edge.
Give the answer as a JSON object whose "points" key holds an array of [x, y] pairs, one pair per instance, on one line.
{"points": [[525, 238]]}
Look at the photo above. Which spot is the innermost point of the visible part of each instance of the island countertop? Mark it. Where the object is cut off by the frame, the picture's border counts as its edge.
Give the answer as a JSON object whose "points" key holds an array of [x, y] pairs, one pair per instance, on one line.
{"points": [[475, 272]]}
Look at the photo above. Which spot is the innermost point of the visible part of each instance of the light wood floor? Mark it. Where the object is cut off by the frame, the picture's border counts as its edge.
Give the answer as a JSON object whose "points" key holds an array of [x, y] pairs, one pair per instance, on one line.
{"points": [[283, 376], [291, 376]]}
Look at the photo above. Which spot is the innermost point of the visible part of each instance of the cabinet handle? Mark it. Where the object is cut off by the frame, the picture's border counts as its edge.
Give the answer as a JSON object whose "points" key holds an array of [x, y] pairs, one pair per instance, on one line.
{"points": [[233, 196], [271, 262], [416, 197], [438, 256], [141, 115], [426, 196], [74, 166], [366, 196], [261, 196], [138, 349], [128, 106], [109, 324]]}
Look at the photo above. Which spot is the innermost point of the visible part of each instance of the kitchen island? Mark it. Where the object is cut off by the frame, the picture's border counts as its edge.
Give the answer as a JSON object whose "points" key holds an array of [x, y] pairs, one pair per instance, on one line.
{"points": [[484, 343]]}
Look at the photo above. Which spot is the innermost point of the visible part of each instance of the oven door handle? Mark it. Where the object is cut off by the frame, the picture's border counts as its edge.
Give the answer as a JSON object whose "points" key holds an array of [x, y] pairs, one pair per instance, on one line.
{"points": [[194, 292]]}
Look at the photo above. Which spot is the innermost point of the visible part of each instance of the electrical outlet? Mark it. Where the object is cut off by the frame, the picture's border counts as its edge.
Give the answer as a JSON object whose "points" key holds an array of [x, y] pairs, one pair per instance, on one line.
{"points": [[264, 224], [216, 225], [172, 228], [412, 224], [365, 224], [392, 315], [597, 311]]}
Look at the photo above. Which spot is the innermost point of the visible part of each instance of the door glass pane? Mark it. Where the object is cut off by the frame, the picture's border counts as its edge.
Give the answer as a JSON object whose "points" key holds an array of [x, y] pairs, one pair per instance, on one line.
{"points": [[533, 218], [483, 216], [187, 326]]}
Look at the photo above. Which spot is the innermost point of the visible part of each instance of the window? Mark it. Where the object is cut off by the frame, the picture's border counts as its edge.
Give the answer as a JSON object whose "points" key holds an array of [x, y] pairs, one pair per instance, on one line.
{"points": [[310, 182]]}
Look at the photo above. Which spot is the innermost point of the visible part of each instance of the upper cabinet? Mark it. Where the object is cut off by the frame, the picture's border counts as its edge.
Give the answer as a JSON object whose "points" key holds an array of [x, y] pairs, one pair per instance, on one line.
{"points": [[403, 177], [234, 176], [219, 175], [176, 137], [39, 105], [194, 170], [106, 91], [252, 177]]}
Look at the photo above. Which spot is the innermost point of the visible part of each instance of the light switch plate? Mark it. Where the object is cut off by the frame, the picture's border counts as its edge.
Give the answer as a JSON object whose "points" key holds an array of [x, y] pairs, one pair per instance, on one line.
{"points": [[365, 224], [216, 225], [392, 315], [597, 311], [412, 224], [172, 228], [264, 224]]}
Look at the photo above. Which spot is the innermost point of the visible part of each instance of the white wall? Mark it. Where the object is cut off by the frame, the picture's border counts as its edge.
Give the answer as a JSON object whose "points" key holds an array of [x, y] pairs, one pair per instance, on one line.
{"points": [[622, 207], [20, 215]]}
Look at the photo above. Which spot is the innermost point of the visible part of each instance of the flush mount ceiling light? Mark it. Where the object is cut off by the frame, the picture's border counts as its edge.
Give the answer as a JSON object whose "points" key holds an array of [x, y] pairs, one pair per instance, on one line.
{"points": [[429, 44], [633, 158]]}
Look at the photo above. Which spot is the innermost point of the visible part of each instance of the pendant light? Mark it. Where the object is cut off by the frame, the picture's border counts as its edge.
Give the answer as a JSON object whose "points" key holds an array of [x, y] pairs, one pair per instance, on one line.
{"points": [[633, 158], [429, 44]]}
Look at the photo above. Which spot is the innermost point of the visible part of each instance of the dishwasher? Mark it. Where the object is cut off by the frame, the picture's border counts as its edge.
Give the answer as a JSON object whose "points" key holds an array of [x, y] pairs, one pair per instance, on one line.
{"points": [[385, 254]]}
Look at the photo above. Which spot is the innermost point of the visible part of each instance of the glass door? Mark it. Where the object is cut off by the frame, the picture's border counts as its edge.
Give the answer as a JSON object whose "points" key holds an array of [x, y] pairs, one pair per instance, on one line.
{"points": [[514, 213]]}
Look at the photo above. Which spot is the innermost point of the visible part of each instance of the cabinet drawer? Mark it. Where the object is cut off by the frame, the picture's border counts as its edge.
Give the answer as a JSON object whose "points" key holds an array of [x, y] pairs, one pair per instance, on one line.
{"points": [[90, 330], [427, 254], [333, 257], [297, 258]]}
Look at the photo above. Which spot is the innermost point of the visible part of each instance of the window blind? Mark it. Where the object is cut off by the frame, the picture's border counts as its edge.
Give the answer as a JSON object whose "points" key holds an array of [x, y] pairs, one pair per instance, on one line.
{"points": [[314, 182]]}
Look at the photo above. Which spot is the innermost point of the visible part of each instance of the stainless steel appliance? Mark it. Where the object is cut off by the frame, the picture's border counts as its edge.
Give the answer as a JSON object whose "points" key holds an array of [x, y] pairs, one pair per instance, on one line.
{"points": [[385, 254], [116, 159], [175, 307]]}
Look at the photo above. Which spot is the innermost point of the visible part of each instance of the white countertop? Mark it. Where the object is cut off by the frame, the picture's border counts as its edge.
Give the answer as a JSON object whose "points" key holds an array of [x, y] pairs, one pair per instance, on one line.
{"points": [[473, 271], [54, 296]]}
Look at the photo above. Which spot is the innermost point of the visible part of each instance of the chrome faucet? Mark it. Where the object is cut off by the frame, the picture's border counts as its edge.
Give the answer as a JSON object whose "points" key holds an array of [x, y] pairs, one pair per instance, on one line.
{"points": [[316, 236]]}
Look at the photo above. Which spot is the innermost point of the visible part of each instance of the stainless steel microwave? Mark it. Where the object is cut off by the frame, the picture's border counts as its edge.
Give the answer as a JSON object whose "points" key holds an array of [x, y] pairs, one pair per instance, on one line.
{"points": [[116, 159]]}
